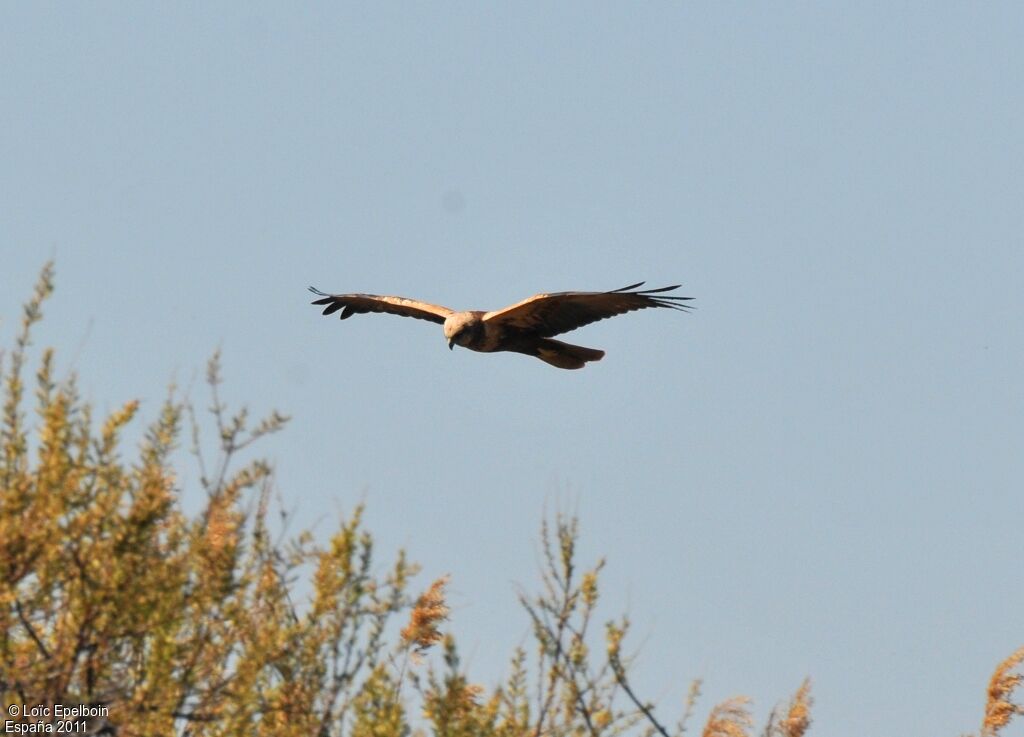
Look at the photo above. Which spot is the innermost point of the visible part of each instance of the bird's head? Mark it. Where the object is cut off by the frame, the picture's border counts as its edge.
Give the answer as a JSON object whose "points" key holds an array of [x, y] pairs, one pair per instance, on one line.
{"points": [[460, 328]]}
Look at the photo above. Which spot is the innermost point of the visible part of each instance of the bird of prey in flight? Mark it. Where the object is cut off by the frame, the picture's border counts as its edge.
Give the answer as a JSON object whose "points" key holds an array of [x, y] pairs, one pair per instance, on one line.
{"points": [[525, 327]]}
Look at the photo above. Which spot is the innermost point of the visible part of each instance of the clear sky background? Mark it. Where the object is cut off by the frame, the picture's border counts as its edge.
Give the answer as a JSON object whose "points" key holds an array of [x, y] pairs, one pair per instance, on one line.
{"points": [[818, 472]]}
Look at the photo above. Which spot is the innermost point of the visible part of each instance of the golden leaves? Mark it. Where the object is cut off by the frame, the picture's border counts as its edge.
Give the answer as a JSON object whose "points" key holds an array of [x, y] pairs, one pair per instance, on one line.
{"points": [[112, 593], [798, 716], [201, 623], [731, 718], [797, 719], [1000, 709], [429, 611]]}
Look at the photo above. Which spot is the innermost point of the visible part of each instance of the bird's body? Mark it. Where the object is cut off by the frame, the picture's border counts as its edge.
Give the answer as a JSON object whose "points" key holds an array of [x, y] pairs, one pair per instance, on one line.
{"points": [[526, 327], [470, 330]]}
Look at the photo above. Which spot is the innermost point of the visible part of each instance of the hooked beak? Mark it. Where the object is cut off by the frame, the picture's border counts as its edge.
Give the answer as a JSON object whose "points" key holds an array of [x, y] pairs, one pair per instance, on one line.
{"points": [[451, 344]]}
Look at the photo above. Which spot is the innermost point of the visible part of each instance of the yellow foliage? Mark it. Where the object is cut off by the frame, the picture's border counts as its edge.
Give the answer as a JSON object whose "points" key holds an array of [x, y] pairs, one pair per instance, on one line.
{"points": [[731, 718], [1000, 709], [112, 597], [430, 610], [161, 622]]}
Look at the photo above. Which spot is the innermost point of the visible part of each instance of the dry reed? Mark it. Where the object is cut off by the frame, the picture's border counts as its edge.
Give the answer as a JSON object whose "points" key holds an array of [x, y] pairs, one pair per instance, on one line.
{"points": [[1000, 709], [430, 610]]}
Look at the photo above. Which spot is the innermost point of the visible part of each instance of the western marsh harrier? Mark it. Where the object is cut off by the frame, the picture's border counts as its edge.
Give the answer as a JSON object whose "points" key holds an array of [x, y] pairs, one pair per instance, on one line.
{"points": [[525, 327]]}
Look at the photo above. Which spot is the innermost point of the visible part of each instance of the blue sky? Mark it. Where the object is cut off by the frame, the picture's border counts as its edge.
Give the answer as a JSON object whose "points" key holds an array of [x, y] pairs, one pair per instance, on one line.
{"points": [[817, 473]]}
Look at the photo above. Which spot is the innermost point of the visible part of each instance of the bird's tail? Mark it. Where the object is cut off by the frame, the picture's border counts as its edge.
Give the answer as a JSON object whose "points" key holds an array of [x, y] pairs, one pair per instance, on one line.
{"points": [[564, 355]]}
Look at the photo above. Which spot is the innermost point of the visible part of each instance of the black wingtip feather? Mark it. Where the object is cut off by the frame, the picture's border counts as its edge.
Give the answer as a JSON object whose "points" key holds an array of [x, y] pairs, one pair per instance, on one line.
{"points": [[648, 291], [662, 300], [626, 289], [674, 306]]}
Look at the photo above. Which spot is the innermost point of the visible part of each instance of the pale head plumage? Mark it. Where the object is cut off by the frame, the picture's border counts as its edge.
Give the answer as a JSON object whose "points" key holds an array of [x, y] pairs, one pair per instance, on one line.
{"points": [[462, 328]]}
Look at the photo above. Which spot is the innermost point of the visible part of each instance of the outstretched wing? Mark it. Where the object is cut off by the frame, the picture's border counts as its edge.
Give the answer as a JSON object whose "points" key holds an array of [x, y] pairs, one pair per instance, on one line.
{"points": [[546, 315], [351, 304]]}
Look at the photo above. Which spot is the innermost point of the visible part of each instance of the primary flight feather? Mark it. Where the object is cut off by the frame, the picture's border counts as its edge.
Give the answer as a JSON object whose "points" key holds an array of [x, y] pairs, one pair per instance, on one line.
{"points": [[525, 327]]}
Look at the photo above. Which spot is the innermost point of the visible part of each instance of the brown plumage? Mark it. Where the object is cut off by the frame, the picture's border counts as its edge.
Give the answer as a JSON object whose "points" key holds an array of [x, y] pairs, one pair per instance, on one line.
{"points": [[525, 327]]}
